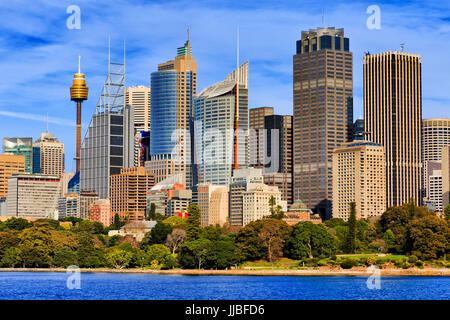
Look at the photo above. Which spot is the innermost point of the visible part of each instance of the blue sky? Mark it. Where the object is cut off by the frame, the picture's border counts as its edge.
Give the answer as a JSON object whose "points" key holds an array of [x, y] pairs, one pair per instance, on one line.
{"points": [[38, 54]]}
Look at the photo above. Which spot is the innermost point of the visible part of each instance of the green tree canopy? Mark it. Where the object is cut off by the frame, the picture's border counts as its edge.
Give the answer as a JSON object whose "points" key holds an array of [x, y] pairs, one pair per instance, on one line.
{"points": [[310, 240], [193, 229]]}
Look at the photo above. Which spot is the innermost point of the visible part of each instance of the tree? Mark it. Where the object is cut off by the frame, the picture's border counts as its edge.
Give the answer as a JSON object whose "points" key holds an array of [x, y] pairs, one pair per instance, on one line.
{"points": [[152, 213], [118, 258], [249, 242], [89, 256], [351, 235], [310, 240], [175, 239], [428, 237], [158, 252], [11, 258], [221, 255], [193, 229], [275, 210], [271, 239], [194, 253], [389, 239], [7, 240], [17, 224], [447, 212], [117, 223], [65, 257], [159, 233], [176, 222]]}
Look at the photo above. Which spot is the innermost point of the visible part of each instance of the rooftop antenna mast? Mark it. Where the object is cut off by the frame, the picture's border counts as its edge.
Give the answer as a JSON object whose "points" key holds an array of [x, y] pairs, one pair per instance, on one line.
{"points": [[402, 46], [323, 18]]}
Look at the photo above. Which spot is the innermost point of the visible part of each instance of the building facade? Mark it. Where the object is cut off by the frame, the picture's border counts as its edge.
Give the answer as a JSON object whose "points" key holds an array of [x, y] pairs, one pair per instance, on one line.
{"points": [[242, 180], [278, 171], [221, 129], [256, 202], [129, 193], [9, 166], [359, 175], [213, 203], [48, 155], [445, 176], [20, 147], [172, 89], [33, 196], [100, 211], [257, 137], [393, 118], [323, 112]]}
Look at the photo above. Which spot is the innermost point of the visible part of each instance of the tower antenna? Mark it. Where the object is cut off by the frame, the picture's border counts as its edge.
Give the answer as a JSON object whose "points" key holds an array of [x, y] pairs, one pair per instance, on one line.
{"points": [[402, 46], [323, 18]]}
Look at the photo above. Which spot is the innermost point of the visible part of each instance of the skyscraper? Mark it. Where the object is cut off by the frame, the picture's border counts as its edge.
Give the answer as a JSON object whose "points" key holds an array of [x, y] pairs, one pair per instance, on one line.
{"points": [[445, 176], [172, 89], [109, 143], [257, 139], [139, 98], [323, 112], [279, 137], [393, 118], [435, 136], [48, 155], [215, 121], [20, 147]]}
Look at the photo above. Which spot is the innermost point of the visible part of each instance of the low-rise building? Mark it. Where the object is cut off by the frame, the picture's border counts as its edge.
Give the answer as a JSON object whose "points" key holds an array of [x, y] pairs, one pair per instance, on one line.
{"points": [[100, 211], [136, 229], [213, 203], [299, 212], [256, 202], [33, 196]]}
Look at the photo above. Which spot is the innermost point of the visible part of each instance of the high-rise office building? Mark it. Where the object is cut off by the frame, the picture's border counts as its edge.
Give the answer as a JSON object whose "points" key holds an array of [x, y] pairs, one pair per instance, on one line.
{"points": [[48, 155], [33, 196], [435, 136], [85, 200], [109, 143], [358, 129], [172, 89], [257, 138], [278, 170], [323, 112], [66, 177], [216, 140], [139, 98], [9, 166], [445, 176], [20, 147], [359, 175], [129, 192], [393, 118]]}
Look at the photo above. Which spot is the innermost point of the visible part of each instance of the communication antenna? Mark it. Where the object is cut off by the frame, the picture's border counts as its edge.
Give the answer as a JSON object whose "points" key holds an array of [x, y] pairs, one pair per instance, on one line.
{"points": [[402, 46], [323, 18]]}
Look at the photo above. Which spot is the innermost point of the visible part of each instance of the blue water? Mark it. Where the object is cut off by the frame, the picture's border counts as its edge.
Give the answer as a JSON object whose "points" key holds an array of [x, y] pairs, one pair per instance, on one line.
{"points": [[52, 285]]}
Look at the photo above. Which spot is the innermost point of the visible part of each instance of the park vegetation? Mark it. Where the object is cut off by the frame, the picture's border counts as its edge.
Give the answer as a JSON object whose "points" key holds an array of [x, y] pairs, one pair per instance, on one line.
{"points": [[406, 236]]}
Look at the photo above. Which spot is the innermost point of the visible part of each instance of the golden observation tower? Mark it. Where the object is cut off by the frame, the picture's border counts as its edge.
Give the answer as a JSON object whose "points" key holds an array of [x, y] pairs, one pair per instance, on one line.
{"points": [[78, 93]]}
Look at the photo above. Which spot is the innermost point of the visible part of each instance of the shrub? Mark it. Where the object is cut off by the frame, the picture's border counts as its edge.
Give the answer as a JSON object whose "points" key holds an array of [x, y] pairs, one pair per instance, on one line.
{"points": [[322, 263], [413, 259], [371, 261], [348, 263], [419, 264]]}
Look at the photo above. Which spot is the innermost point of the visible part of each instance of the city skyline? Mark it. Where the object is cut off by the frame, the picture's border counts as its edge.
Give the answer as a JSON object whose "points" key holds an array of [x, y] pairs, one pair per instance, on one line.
{"points": [[46, 53]]}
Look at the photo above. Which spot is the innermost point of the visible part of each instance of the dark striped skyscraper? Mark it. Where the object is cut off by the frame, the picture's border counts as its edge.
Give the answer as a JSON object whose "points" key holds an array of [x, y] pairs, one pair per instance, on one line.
{"points": [[393, 118], [323, 112]]}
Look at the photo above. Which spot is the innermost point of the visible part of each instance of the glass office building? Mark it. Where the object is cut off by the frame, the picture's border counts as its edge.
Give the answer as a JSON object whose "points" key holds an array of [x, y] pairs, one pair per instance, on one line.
{"points": [[20, 147]]}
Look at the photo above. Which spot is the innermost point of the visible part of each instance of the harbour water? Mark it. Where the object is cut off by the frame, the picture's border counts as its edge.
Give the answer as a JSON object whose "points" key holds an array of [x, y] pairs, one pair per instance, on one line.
{"points": [[119, 286]]}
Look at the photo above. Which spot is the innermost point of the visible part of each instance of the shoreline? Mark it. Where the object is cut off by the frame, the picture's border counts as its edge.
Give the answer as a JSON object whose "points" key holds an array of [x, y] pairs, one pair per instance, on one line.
{"points": [[242, 272]]}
